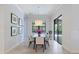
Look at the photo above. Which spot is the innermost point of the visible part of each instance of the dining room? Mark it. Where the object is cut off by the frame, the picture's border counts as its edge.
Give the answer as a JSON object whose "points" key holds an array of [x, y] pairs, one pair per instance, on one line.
{"points": [[37, 36], [39, 39], [39, 30]]}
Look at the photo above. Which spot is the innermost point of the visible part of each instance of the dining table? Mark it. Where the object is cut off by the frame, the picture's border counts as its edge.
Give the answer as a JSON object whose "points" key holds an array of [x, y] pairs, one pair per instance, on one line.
{"points": [[35, 35]]}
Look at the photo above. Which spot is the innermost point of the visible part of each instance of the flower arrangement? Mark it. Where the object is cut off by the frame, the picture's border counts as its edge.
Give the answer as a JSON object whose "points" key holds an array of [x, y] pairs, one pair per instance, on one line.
{"points": [[39, 31]]}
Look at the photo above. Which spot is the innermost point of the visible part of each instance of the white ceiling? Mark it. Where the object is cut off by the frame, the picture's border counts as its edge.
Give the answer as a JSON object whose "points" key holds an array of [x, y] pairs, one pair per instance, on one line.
{"points": [[39, 9]]}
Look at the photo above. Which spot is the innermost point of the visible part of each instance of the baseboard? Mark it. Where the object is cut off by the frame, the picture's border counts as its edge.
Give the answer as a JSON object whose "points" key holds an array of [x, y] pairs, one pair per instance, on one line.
{"points": [[13, 47], [66, 49], [71, 51]]}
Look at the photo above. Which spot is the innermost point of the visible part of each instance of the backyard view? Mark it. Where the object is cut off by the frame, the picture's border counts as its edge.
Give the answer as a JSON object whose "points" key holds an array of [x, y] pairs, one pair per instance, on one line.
{"points": [[58, 30]]}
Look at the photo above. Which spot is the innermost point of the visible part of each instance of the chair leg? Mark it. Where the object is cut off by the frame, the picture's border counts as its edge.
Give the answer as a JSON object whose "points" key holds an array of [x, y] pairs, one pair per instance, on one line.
{"points": [[43, 48], [29, 44], [45, 45], [35, 48], [48, 43]]}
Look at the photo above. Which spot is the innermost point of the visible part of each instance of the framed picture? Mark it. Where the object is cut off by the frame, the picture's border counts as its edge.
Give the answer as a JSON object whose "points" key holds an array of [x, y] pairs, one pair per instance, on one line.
{"points": [[13, 30], [19, 21], [14, 18], [19, 30]]}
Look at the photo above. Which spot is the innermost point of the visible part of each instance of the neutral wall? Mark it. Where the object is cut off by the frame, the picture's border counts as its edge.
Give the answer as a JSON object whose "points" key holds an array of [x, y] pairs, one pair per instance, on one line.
{"points": [[71, 28], [26, 28], [1, 30], [10, 41]]}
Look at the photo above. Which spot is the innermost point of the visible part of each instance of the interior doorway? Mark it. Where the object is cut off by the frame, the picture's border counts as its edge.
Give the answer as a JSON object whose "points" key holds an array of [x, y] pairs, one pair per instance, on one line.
{"points": [[58, 30]]}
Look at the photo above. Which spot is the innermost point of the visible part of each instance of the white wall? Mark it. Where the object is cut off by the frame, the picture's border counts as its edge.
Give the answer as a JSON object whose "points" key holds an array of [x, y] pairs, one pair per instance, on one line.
{"points": [[10, 42], [66, 27], [26, 27], [71, 28], [1, 30]]}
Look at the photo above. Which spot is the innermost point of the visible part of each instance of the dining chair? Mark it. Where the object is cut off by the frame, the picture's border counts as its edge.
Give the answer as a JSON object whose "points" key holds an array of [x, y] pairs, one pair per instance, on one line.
{"points": [[47, 39], [40, 41], [31, 40]]}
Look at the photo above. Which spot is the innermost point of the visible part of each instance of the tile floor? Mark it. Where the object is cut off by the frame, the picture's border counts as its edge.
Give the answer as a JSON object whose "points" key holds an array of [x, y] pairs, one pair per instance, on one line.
{"points": [[54, 48]]}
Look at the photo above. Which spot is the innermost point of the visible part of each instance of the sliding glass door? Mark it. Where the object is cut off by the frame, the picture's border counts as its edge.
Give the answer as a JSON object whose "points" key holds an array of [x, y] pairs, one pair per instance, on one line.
{"points": [[58, 30]]}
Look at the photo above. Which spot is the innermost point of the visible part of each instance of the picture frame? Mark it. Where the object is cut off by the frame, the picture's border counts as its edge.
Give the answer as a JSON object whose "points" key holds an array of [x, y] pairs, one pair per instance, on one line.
{"points": [[19, 21], [14, 18], [19, 30], [13, 30]]}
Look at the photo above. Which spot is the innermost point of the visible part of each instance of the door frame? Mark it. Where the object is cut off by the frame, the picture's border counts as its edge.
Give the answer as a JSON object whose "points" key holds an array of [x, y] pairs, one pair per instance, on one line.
{"points": [[56, 19]]}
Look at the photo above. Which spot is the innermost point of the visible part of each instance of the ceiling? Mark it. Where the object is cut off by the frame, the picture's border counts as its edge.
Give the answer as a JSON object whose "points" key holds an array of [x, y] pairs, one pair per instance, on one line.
{"points": [[39, 9]]}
